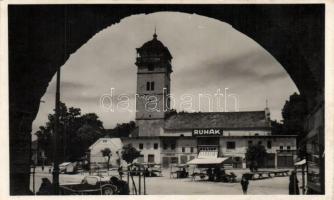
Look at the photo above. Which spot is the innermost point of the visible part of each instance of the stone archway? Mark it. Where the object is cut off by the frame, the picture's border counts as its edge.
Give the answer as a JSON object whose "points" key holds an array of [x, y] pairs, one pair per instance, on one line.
{"points": [[42, 37]]}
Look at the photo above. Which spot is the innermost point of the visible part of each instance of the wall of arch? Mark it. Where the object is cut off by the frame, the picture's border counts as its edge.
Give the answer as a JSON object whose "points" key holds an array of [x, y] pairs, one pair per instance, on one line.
{"points": [[42, 37]]}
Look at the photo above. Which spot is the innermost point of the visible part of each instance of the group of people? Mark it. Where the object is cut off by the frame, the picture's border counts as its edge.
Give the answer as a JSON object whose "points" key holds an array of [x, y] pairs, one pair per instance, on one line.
{"points": [[217, 174]]}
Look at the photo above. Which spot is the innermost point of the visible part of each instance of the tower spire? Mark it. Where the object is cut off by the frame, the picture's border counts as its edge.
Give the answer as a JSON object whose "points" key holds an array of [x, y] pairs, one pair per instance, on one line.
{"points": [[155, 32]]}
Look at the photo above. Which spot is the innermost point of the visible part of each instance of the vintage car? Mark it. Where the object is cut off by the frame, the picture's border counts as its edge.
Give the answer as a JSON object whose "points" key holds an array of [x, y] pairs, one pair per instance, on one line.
{"points": [[90, 185]]}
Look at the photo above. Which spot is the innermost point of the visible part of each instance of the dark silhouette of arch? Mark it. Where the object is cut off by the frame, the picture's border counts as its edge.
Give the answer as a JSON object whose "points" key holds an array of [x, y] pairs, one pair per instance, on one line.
{"points": [[41, 38]]}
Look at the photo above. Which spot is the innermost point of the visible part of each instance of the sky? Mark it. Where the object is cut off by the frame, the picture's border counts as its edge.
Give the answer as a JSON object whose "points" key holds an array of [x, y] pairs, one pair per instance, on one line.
{"points": [[208, 55]]}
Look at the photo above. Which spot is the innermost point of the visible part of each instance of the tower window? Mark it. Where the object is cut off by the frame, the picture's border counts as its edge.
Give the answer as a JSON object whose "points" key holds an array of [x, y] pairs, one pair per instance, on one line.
{"points": [[152, 85], [151, 67], [148, 86]]}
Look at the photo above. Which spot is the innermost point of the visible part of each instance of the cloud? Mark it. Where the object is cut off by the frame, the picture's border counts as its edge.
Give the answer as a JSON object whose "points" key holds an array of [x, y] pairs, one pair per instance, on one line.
{"points": [[207, 55]]}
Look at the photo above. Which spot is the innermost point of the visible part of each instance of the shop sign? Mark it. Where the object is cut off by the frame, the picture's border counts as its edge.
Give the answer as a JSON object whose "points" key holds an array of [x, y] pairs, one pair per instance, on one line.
{"points": [[207, 132]]}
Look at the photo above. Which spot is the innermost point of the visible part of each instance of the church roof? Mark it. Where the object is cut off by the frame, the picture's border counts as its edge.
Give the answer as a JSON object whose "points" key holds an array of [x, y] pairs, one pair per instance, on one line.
{"points": [[223, 120], [154, 46]]}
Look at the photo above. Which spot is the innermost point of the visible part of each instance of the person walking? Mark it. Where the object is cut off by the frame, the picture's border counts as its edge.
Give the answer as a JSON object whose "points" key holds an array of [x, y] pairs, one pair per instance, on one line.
{"points": [[293, 184], [120, 172], [217, 174], [244, 184], [210, 174]]}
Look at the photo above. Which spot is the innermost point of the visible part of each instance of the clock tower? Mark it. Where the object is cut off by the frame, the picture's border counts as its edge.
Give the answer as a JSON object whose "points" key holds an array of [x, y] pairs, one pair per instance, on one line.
{"points": [[153, 86]]}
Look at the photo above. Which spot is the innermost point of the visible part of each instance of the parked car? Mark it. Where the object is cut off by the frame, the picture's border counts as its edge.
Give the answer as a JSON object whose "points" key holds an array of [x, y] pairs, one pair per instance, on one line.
{"points": [[90, 185], [67, 168]]}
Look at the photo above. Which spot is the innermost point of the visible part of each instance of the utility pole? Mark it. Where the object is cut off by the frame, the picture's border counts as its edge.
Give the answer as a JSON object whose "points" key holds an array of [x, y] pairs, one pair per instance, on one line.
{"points": [[55, 173]]}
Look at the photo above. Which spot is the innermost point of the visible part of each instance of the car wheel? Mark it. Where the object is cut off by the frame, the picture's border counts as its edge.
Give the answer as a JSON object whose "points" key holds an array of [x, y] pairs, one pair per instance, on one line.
{"points": [[107, 191]]}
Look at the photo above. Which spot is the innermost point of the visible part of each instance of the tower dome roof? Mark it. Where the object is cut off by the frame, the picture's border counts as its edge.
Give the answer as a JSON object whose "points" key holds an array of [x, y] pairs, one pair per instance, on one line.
{"points": [[154, 46]]}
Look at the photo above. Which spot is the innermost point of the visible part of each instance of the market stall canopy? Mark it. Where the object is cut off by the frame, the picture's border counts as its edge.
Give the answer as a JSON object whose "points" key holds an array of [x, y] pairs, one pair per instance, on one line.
{"points": [[301, 162], [205, 161]]}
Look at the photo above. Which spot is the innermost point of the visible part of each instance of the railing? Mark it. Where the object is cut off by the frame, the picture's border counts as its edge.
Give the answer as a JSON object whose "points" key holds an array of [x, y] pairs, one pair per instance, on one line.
{"points": [[208, 148]]}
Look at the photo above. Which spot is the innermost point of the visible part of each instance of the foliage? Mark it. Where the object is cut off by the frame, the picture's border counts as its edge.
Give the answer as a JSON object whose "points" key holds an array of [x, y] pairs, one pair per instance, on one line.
{"points": [[294, 113], [255, 155], [276, 128], [129, 153], [76, 133], [122, 130]]}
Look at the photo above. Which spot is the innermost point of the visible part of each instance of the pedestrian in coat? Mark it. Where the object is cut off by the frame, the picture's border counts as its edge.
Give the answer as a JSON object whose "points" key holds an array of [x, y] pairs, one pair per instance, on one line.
{"points": [[244, 184], [293, 183]]}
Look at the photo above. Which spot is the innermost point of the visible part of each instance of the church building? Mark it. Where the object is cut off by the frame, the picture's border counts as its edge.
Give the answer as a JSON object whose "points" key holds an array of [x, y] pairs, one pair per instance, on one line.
{"points": [[166, 137]]}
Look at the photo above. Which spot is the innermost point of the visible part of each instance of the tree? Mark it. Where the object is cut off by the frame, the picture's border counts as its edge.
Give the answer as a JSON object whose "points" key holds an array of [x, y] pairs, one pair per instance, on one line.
{"points": [[276, 128], [294, 113], [129, 154], [122, 130], [255, 155], [106, 152], [76, 133]]}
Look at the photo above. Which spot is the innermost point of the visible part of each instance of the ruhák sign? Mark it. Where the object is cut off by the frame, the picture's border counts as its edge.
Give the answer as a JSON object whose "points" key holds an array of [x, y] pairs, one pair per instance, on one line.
{"points": [[207, 132]]}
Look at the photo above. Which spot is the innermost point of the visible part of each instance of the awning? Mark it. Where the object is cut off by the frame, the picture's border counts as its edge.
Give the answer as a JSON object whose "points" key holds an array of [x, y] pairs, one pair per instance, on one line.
{"points": [[301, 162], [208, 154], [205, 161]]}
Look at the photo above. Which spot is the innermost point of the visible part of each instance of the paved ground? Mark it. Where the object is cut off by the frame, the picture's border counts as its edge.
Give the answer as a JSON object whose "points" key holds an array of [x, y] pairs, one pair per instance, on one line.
{"points": [[165, 185]]}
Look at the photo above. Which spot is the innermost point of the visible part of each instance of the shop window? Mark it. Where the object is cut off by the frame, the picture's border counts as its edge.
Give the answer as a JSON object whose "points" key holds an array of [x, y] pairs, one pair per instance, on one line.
{"points": [[269, 144], [230, 145], [288, 148], [141, 146], [150, 158], [173, 146], [165, 146], [183, 159], [281, 147], [191, 149], [174, 160], [156, 145], [183, 149]]}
